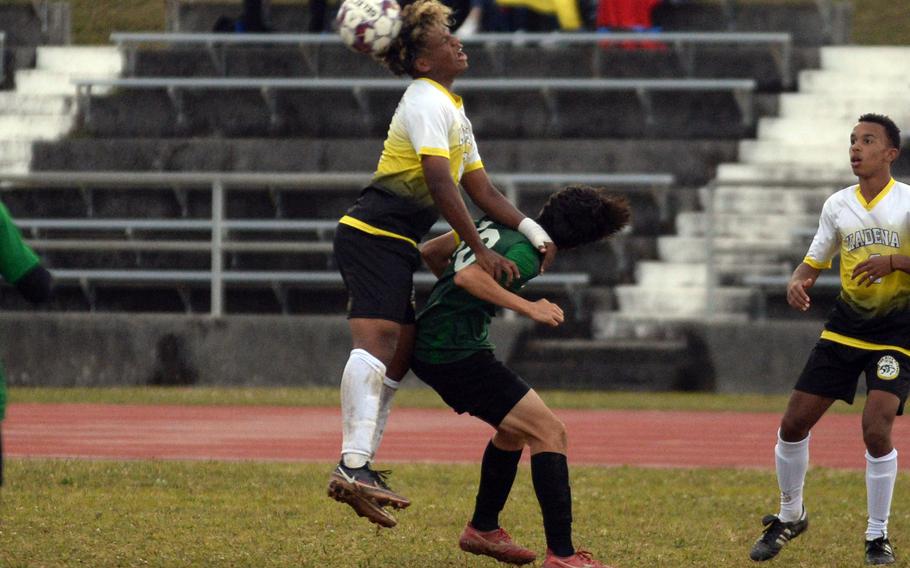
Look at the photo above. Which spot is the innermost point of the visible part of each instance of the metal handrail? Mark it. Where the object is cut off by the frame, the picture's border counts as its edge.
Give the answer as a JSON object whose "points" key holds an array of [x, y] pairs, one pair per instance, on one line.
{"points": [[742, 89], [511, 84], [782, 42], [512, 38], [2, 56]]}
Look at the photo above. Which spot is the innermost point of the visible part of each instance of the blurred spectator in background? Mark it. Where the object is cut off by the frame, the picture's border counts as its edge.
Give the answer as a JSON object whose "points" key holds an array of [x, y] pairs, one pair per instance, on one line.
{"points": [[318, 21], [253, 19], [521, 15], [631, 15]]}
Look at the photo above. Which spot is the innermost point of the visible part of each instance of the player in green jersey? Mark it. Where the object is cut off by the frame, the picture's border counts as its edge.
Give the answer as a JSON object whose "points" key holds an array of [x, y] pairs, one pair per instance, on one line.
{"points": [[453, 354], [20, 267]]}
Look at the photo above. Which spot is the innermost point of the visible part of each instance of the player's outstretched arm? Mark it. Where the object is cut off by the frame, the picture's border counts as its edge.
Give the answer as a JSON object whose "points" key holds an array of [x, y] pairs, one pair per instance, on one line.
{"points": [[480, 188], [480, 284], [452, 207], [437, 253], [803, 278]]}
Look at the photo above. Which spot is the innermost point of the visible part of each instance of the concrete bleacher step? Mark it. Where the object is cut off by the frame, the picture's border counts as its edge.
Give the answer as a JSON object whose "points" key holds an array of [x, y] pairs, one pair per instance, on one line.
{"points": [[839, 105], [94, 60], [775, 152], [13, 166], [44, 82], [651, 273], [15, 151], [34, 127], [12, 102], [683, 300], [674, 248], [869, 59], [609, 324], [625, 364], [744, 226], [823, 81], [824, 131], [780, 200], [57, 66], [784, 173]]}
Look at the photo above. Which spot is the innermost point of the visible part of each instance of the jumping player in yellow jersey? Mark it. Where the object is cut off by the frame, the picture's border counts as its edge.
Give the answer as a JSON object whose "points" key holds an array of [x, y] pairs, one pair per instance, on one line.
{"points": [[429, 149], [868, 331]]}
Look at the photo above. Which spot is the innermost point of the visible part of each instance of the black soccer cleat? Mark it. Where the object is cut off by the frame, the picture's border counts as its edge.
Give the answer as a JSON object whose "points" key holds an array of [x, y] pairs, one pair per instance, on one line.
{"points": [[368, 482], [879, 551], [777, 533]]}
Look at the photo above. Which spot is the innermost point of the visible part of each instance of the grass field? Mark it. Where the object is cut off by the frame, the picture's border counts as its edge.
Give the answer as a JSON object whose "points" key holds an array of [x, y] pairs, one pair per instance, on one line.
{"points": [[170, 514], [156, 513]]}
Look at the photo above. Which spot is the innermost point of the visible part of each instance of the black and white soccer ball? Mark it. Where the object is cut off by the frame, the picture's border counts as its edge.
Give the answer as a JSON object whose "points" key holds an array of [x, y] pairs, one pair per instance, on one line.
{"points": [[369, 26]]}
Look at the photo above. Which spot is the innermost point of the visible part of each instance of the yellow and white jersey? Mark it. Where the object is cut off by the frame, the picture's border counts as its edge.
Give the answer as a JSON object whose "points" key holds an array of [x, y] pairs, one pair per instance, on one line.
{"points": [[859, 230], [429, 121]]}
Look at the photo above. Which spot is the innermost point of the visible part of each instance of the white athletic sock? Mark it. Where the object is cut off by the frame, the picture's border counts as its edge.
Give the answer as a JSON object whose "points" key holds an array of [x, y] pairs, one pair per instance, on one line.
{"points": [[792, 460], [880, 475], [361, 385], [389, 388]]}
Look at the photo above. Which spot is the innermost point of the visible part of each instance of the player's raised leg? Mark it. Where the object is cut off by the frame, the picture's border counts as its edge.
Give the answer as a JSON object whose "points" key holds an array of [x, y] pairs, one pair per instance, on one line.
{"points": [[353, 481]]}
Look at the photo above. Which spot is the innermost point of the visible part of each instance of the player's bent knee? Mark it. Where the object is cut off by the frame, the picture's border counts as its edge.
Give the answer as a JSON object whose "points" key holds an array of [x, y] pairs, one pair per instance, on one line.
{"points": [[508, 439], [552, 435], [877, 440], [794, 429]]}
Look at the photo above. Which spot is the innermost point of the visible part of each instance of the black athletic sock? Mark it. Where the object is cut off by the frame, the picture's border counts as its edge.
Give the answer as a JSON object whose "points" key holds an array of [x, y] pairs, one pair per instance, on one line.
{"points": [[497, 473], [550, 474]]}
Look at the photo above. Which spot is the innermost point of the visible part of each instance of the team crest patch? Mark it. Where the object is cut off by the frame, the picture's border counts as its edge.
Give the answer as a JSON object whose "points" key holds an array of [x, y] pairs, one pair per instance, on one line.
{"points": [[888, 368]]}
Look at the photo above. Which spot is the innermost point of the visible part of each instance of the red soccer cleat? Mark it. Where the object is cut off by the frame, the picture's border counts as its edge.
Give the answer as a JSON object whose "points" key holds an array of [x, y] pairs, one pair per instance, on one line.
{"points": [[495, 544], [581, 559]]}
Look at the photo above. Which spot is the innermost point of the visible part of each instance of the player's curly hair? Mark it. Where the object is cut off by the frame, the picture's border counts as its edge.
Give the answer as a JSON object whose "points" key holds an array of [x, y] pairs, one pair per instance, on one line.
{"points": [[580, 214], [891, 129], [417, 19]]}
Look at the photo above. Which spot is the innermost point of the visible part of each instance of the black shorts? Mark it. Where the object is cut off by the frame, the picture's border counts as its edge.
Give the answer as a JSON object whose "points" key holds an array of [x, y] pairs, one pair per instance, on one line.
{"points": [[378, 273], [833, 371], [479, 385]]}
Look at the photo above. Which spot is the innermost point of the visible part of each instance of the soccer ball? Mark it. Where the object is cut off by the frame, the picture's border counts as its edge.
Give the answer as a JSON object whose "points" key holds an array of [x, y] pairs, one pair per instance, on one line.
{"points": [[369, 26]]}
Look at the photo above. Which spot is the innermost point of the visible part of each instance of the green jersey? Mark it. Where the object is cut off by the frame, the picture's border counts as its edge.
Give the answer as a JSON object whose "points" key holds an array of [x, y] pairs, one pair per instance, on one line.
{"points": [[455, 324], [16, 260]]}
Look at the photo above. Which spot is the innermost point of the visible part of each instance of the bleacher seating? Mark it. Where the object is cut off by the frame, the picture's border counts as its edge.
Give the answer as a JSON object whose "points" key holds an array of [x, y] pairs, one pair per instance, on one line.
{"points": [[290, 103], [97, 251], [764, 57]]}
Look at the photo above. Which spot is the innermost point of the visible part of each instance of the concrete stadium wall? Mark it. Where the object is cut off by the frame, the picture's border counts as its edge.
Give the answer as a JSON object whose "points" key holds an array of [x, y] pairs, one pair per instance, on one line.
{"points": [[42, 349], [128, 349], [761, 357]]}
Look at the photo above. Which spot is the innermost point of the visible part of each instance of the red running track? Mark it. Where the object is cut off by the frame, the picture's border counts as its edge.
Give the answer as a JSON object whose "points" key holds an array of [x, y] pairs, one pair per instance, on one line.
{"points": [[602, 437]]}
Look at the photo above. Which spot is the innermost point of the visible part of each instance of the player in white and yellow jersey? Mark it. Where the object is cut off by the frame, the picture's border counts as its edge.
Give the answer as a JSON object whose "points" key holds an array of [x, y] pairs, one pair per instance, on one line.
{"points": [[429, 150], [868, 331]]}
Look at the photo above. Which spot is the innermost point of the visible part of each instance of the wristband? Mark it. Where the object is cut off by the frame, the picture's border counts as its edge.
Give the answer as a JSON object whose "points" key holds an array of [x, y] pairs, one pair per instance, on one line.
{"points": [[534, 233]]}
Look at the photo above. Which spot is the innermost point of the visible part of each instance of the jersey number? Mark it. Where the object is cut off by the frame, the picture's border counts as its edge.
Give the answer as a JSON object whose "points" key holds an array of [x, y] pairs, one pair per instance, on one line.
{"points": [[488, 236]]}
